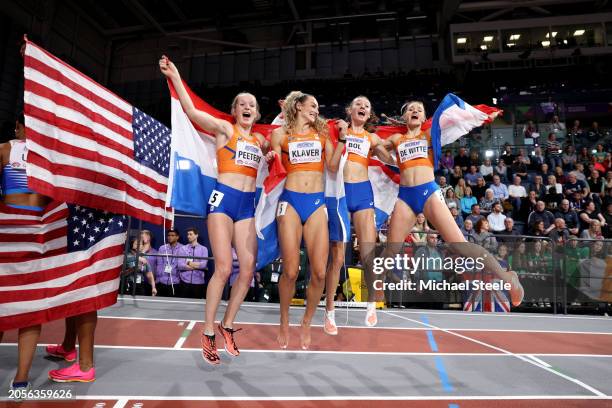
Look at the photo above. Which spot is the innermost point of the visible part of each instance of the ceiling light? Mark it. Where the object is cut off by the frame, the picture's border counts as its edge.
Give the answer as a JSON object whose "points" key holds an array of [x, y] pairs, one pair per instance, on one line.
{"points": [[483, 47], [551, 34], [488, 38], [545, 43], [510, 45], [578, 33], [461, 40], [515, 37]]}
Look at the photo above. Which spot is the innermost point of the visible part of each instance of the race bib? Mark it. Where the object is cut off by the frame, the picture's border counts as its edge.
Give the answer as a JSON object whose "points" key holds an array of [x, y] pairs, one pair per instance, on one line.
{"points": [[308, 151], [18, 156], [358, 145], [247, 154], [412, 149], [282, 208], [215, 198]]}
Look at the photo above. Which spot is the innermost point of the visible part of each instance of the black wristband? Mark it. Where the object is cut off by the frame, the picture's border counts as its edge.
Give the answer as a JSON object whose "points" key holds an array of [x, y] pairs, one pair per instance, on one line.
{"points": [[341, 140]]}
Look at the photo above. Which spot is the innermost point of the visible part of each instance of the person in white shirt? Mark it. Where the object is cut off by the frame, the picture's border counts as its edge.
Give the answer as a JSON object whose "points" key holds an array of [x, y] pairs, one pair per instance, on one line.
{"points": [[486, 170], [515, 192], [496, 219]]}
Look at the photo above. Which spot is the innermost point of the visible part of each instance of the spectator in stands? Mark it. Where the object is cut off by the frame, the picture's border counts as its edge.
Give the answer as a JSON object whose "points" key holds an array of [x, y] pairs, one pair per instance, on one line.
{"points": [[519, 259], [553, 193], [553, 151], [596, 187], [545, 170], [608, 180], [475, 158], [574, 185], [192, 270], [578, 172], [528, 205], [576, 131], [569, 216], [507, 156], [537, 159], [458, 218], [519, 168], [451, 199], [500, 191], [472, 177], [479, 189], [447, 163], [607, 230], [590, 215], [584, 157], [569, 158], [167, 276], [487, 202], [460, 188], [529, 130], [556, 126], [497, 219], [501, 170], [467, 202], [483, 237], [595, 132], [538, 186], [515, 193], [600, 154], [560, 175], [542, 214], [468, 230], [523, 157], [486, 169], [475, 214], [593, 232], [510, 233], [537, 229], [443, 186], [420, 230], [607, 164], [577, 201], [462, 159], [560, 234], [455, 176]]}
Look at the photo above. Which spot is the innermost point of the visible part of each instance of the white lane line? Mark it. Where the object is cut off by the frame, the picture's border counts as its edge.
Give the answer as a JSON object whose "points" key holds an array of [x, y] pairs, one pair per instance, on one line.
{"points": [[520, 357], [184, 335], [368, 328], [544, 363], [120, 403]]}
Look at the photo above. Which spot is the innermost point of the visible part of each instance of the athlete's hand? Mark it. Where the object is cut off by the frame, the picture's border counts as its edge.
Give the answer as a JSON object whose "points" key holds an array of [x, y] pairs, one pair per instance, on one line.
{"points": [[342, 126], [168, 68], [270, 156]]}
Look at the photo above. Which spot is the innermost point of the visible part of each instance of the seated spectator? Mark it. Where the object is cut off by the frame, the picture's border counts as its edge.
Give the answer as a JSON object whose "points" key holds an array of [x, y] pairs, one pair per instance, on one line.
{"points": [[192, 270], [578, 202], [519, 168], [579, 172], [451, 199], [537, 159], [500, 190], [468, 230], [519, 259], [475, 158], [496, 219], [537, 229], [472, 177], [553, 151], [475, 214], [447, 163], [515, 194], [462, 159], [544, 170], [528, 205], [569, 158], [593, 232], [479, 189], [600, 154], [574, 185], [530, 131], [487, 202], [420, 230], [590, 215], [607, 230], [523, 157], [455, 176], [594, 133], [560, 175], [456, 216], [167, 275], [460, 189], [483, 237], [538, 186], [608, 185], [443, 186], [486, 169], [507, 156], [576, 131], [596, 186], [556, 126], [542, 214], [584, 157], [569, 216], [501, 170], [559, 235], [509, 233], [553, 193]]}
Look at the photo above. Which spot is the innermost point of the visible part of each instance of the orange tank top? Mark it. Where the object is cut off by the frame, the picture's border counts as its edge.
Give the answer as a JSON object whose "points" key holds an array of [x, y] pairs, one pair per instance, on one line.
{"points": [[414, 151], [359, 147], [242, 155], [303, 152]]}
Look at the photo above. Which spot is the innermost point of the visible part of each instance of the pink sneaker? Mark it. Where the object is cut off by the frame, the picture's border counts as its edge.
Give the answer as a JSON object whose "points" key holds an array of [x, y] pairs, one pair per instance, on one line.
{"points": [[73, 374], [59, 352]]}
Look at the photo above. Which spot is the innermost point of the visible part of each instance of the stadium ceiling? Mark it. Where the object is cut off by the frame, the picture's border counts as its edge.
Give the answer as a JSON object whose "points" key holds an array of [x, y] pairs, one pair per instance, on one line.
{"points": [[228, 23]]}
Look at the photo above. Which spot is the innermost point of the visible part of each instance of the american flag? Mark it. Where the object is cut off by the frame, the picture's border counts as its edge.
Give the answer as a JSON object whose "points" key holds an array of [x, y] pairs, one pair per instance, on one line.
{"points": [[88, 146], [62, 261]]}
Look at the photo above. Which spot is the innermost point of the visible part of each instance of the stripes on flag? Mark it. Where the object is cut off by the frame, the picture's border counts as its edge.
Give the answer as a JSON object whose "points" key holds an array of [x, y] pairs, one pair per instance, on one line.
{"points": [[88, 146], [62, 261]]}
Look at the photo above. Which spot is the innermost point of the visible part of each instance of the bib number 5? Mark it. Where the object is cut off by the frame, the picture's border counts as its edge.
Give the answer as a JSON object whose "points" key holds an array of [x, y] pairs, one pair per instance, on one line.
{"points": [[215, 198]]}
